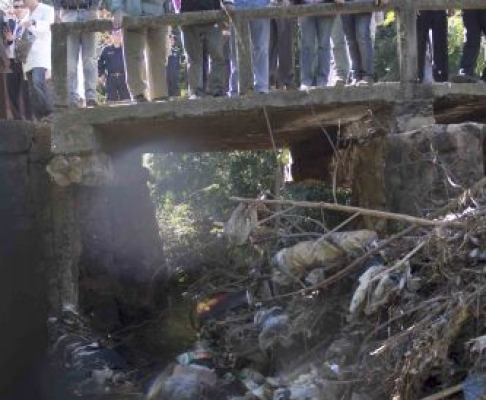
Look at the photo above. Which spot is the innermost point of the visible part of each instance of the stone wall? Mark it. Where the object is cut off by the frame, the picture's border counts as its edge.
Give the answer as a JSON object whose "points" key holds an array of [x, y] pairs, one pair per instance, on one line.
{"points": [[425, 168], [24, 253], [414, 172], [94, 247]]}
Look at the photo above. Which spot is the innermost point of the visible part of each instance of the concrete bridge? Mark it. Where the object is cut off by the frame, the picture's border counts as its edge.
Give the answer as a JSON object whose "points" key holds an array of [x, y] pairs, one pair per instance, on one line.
{"points": [[246, 122], [399, 144]]}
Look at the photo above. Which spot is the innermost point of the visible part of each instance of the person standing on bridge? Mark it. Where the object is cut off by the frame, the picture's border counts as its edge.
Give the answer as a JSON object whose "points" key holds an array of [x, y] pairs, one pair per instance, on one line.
{"points": [[315, 30], [435, 21], [260, 45], [194, 37], [111, 69], [37, 65], [357, 28], [474, 25], [80, 43], [147, 47], [17, 88]]}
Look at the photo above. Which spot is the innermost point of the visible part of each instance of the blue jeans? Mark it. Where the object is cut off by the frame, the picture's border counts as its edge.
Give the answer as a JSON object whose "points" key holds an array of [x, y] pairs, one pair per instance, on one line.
{"points": [[357, 28], [40, 93], [315, 30], [84, 43], [340, 50], [260, 43]]}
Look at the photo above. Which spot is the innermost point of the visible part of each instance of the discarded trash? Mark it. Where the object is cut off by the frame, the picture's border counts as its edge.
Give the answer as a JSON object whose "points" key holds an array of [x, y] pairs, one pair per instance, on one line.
{"points": [[240, 224], [474, 387], [330, 253], [274, 328], [187, 382]]}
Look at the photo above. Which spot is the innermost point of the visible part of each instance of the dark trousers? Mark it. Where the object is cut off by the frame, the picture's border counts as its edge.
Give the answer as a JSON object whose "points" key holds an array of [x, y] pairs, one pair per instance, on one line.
{"points": [[281, 52], [40, 93], [474, 25], [173, 75], [18, 92], [116, 88], [435, 21], [3, 96]]}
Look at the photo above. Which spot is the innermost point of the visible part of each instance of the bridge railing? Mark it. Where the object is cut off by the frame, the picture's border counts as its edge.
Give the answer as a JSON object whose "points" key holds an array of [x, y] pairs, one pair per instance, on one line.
{"points": [[406, 13]]}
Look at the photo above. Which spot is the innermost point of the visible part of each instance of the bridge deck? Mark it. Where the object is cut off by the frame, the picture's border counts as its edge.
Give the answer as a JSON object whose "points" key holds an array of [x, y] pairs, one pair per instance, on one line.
{"points": [[218, 124]]}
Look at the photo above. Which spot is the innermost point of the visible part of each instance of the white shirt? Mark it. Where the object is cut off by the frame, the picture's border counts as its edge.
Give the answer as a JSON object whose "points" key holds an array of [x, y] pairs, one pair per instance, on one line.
{"points": [[40, 53]]}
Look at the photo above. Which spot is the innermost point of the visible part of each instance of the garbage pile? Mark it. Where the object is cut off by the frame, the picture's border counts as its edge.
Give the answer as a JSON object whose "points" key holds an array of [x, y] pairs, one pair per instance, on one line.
{"points": [[84, 365], [350, 314]]}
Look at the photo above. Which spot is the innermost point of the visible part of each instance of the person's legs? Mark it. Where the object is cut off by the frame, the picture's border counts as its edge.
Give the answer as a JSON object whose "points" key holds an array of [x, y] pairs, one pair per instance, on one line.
{"points": [[73, 49], [157, 45], [234, 64], [482, 21], [324, 28], [422, 37], [133, 47], [41, 99], [340, 50], [285, 51], [365, 45], [470, 50], [260, 37], [111, 88], [439, 41], [273, 53], [214, 43], [122, 89], [349, 27], [308, 36], [193, 46], [26, 102], [14, 88]]}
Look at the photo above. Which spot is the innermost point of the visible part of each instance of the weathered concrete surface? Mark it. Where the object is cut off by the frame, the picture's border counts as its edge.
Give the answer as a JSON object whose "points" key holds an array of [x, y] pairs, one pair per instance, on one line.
{"points": [[62, 245], [413, 172], [425, 168], [24, 256], [238, 123]]}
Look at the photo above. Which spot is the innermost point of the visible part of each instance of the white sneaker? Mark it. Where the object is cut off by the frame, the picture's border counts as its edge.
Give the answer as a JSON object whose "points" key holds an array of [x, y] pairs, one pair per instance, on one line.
{"points": [[305, 88], [365, 81], [193, 97]]}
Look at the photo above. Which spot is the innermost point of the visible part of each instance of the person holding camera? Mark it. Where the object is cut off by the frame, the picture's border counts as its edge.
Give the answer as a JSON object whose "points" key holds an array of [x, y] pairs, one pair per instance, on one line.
{"points": [[17, 88]]}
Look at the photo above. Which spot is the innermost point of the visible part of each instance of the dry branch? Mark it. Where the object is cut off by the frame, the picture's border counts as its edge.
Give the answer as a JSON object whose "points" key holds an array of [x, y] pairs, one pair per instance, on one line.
{"points": [[349, 209], [444, 393]]}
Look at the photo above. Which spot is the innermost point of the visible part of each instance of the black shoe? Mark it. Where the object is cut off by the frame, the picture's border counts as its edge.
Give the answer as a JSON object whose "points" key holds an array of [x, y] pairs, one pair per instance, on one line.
{"points": [[463, 77], [91, 103], [220, 94], [140, 98]]}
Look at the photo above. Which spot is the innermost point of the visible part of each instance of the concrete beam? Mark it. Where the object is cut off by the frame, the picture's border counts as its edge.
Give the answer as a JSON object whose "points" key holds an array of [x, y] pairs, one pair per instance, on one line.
{"points": [[238, 123]]}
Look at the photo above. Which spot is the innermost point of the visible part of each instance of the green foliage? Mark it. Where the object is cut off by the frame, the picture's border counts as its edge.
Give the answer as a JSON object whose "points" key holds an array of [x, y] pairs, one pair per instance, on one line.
{"points": [[192, 191], [206, 180], [386, 50]]}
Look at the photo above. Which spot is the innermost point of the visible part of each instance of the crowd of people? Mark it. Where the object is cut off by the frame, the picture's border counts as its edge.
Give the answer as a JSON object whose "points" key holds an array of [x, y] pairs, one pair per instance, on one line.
{"points": [[334, 50]]}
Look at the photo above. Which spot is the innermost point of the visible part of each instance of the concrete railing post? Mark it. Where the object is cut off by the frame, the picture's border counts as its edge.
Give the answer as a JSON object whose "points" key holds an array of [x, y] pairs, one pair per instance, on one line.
{"points": [[407, 41], [59, 66], [243, 54]]}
